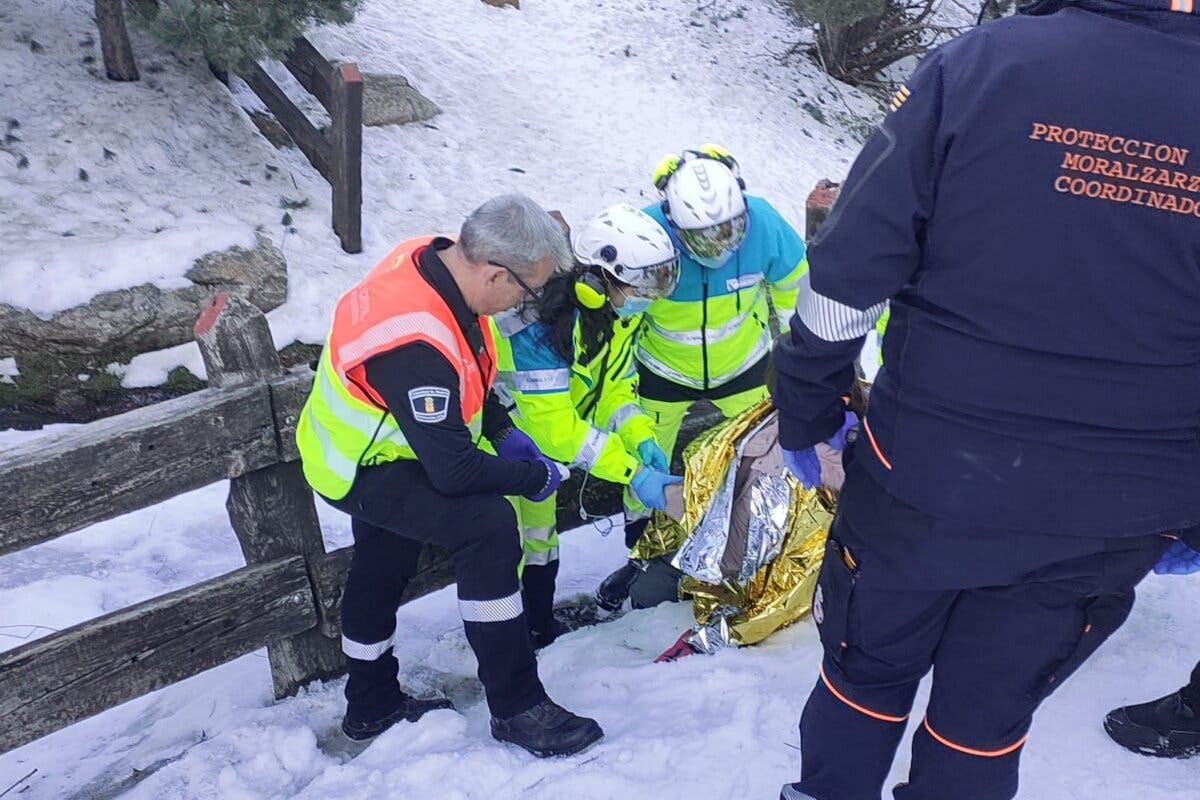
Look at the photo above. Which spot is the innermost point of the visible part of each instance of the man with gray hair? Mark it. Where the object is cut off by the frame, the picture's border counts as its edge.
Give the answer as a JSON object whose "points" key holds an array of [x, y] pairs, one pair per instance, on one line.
{"points": [[396, 434]]}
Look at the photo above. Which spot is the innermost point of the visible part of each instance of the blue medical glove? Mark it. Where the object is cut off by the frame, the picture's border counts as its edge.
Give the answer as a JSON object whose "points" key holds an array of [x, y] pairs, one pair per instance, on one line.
{"points": [[653, 456], [805, 465], [1180, 559], [649, 485], [515, 445], [838, 440], [555, 474]]}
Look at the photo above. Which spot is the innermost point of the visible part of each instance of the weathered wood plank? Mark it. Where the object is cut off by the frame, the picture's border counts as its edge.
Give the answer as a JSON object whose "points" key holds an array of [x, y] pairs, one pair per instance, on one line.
{"points": [[271, 509], [235, 342], [311, 142], [273, 513], [61, 483], [435, 570], [73, 674], [288, 394], [346, 177], [311, 69]]}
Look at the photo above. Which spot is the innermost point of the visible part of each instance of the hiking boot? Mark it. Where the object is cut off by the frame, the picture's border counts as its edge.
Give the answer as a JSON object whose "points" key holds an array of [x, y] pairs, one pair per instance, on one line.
{"points": [[1168, 727], [614, 590], [548, 730], [410, 709]]}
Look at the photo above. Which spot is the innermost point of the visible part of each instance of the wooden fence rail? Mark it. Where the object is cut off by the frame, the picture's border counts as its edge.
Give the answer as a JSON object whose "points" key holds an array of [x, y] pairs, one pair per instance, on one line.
{"points": [[336, 153], [287, 598]]}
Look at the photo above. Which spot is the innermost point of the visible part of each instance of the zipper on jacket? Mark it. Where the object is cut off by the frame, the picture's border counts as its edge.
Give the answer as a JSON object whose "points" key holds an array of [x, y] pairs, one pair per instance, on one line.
{"points": [[704, 327]]}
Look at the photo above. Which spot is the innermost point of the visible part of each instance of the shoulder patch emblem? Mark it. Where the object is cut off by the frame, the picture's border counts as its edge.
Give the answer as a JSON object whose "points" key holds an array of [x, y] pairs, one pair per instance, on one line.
{"points": [[429, 403]]}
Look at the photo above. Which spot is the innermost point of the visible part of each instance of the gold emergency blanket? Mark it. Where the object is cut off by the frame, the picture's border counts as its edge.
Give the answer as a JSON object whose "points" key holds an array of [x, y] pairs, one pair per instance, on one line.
{"points": [[771, 585]]}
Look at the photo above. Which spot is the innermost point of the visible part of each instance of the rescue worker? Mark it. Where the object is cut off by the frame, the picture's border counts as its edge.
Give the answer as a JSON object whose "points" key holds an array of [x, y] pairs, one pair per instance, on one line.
{"points": [[740, 259], [1030, 450], [395, 434], [570, 373]]}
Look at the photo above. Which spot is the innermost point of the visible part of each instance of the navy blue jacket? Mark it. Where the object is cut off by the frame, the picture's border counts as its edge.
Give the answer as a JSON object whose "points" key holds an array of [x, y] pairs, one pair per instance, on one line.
{"points": [[1031, 208]]}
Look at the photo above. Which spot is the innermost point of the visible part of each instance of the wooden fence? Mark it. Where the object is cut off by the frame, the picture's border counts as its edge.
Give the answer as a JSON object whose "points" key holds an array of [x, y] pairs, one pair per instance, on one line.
{"points": [[287, 597], [335, 153]]}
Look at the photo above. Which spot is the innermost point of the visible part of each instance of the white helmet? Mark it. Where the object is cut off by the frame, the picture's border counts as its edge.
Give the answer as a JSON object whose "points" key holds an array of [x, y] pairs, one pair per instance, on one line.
{"points": [[704, 202], [630, 245]]}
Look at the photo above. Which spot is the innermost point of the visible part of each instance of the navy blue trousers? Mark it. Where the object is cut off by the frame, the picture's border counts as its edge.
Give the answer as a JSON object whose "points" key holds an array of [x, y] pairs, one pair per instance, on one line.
{"points": [[395, 511], [1001, 617]]}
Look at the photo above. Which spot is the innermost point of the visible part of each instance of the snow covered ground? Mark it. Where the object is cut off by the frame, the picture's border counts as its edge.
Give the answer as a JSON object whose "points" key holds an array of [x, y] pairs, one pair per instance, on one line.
{"points": [[572, 102], [704, 727]]}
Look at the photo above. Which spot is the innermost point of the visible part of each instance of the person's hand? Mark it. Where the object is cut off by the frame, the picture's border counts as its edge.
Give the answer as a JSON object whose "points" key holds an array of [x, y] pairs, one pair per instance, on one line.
{"points": [[515, 445], [838, 440], [805, 465], [653, 456], [555, 474], [649, 486], [1180, 559]]}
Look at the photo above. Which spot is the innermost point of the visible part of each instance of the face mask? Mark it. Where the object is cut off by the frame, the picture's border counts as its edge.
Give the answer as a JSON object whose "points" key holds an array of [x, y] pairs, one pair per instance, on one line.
{"points": [[633, 306]]}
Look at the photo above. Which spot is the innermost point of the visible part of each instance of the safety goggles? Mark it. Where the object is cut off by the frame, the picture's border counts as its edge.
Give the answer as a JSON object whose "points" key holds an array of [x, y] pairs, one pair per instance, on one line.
{"points": [[654, 281], [715, 240]]}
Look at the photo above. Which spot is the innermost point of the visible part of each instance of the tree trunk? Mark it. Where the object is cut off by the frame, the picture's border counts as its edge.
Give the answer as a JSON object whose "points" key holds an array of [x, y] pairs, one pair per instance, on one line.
{"points": [[114, 41]]}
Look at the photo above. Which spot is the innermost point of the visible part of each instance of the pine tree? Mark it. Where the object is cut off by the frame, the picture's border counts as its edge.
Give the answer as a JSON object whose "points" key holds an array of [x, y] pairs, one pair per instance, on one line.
{"points": [[857, 39], [233, 34]]}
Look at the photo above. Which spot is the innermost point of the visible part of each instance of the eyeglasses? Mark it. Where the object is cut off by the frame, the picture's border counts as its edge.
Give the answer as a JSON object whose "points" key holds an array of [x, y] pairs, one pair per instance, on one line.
{"points": [[534, 294]]}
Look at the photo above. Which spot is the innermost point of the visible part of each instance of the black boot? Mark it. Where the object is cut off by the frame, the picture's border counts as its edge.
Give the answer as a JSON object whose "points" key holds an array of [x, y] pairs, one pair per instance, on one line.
{"points": [[410, 709], [1168, 727], [614, 590], [548, 730]]}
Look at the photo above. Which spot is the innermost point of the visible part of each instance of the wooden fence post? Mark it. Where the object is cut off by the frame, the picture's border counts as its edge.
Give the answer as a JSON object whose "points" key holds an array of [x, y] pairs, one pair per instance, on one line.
{"points": [[271, 509], [346, 98]]}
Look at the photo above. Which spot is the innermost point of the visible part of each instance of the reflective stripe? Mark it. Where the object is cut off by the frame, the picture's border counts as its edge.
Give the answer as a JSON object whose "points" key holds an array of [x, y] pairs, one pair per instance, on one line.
{"points": [[654, 365], [790, 793], [709, 335], [792, 284], [365, 652], [541, 558], [540, 380], [358, 418], [860, 709], [540, 546], [623, 415], [589, 451], [971, 751], [334, 461], [402, 326], [500, 610], [542, 534], [831, 320]]}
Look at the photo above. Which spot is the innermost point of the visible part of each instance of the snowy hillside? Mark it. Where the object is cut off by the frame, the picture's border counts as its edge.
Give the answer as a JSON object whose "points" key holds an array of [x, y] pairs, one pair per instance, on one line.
{"points": [[572, 102]]}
